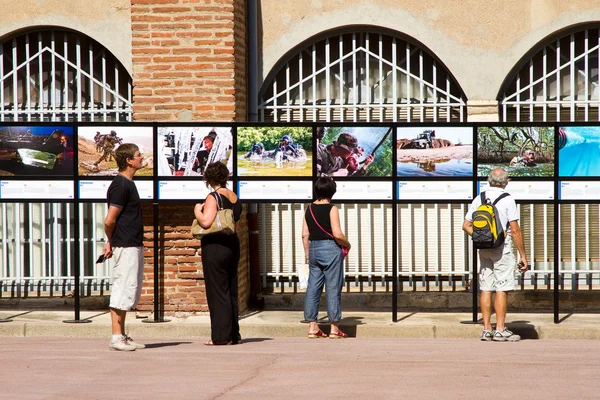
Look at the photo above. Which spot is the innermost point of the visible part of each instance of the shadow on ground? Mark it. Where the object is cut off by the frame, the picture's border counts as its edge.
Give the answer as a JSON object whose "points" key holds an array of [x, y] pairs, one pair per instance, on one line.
{"points": [[347, 325], [164, 344]]}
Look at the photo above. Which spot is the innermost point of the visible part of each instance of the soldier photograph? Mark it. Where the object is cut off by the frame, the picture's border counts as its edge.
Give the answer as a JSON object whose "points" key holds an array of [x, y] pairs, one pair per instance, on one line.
{"points": [[97, 146], [354, 151]]}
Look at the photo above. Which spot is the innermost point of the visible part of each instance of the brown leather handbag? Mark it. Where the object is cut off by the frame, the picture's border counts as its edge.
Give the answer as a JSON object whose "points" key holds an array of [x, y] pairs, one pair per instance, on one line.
{"points": [[224, 224]]}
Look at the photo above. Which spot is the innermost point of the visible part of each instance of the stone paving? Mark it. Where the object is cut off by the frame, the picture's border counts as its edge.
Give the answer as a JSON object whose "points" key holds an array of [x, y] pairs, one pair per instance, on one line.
{"points": [[299, 368]]}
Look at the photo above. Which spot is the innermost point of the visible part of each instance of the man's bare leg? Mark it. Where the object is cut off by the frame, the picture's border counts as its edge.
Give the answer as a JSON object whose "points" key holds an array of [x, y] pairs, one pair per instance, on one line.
{"points": [[500, 308], [117, 318], [485, 301]]}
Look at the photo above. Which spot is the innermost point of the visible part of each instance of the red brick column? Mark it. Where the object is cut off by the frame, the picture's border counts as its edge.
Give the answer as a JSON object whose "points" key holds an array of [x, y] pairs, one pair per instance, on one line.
{"points": [[189, 60], [189, 64]]}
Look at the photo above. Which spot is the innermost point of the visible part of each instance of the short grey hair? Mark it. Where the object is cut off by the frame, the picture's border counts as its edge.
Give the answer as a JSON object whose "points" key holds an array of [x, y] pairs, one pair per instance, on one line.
{"points": [[498, 178]]}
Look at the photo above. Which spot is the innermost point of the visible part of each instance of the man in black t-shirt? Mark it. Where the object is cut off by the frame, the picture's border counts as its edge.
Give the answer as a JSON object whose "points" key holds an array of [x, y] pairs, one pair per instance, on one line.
{"points": [[124, 231]]}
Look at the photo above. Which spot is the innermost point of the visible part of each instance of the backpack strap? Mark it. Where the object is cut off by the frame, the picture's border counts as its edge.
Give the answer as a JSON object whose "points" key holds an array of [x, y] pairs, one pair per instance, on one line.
{"points": [[503, 195], [482, 197], [484, 200]]}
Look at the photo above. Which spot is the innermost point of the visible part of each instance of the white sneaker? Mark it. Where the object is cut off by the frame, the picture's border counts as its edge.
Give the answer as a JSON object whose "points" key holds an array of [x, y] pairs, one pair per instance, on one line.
{"points": [[506, 336], [137, 345], [487, 335], [121, 345]]}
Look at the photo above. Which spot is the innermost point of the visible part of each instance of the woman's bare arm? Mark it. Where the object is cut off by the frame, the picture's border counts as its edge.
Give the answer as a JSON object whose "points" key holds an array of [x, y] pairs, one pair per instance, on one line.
{"points": [[305, 241], [338, 235], [207, 214]]}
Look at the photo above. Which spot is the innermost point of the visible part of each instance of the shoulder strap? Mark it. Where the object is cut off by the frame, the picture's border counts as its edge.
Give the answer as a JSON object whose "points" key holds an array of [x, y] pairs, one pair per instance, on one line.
{"points": [[314, 219], [503, 195], [219, 200], [482, 197]]}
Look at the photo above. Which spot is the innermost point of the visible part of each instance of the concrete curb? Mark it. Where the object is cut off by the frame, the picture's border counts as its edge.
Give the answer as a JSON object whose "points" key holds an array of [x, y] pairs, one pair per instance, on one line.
{"points": [[287, 324]]}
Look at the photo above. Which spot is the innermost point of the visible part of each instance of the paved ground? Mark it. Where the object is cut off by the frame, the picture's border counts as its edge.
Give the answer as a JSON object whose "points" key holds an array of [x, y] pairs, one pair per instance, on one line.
{"points": [[423, 356], [278, 324], [299, 368]]}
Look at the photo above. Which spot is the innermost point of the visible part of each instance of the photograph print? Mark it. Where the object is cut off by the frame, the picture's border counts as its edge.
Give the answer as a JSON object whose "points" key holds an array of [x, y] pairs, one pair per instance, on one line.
{"points": [[274, 151], [579, 151], [36, 150], [96, 146], [354, 151], [439, 151], [187, 150], [521, 151]]}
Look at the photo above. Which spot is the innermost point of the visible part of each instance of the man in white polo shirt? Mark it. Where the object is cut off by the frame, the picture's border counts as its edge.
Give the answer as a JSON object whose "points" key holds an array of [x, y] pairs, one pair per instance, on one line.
{"points": [[497, 266]]}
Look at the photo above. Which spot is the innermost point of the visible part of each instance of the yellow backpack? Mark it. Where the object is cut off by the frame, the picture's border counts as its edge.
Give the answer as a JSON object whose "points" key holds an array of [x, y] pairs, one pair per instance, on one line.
{"points": [[488, 232]]}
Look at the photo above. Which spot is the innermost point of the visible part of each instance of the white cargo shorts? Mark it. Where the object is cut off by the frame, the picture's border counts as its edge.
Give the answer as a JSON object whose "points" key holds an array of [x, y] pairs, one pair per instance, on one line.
{"points": [[126, 278], [497, 268]]}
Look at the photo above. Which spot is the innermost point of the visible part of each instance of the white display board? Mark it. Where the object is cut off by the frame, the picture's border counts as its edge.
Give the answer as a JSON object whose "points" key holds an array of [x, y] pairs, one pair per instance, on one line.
{"points": [[275, 190], [37, 189], [526, 190], [184, 190], [578, 190], [364, 190], [435, 190], [96, 190]]}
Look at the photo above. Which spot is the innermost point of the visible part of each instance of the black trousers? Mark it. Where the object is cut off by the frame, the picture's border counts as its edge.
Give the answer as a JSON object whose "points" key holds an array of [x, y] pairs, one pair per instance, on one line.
{"points": [[220, 257]]}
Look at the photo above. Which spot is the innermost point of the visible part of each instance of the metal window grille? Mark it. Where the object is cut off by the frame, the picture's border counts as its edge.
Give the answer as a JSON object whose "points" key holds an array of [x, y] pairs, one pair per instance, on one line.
{"points": [[361, 76], [559, 83], [56, 75]]}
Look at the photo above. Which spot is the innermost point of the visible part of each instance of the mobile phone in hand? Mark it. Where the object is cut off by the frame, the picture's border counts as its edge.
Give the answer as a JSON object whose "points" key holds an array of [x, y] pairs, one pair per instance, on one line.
{"points": [[100, 259], [523, 267]]}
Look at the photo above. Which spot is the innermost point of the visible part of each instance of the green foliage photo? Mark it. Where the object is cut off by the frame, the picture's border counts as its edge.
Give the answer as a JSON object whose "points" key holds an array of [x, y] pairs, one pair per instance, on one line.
{"points": [[501, 144], [271, 136]]}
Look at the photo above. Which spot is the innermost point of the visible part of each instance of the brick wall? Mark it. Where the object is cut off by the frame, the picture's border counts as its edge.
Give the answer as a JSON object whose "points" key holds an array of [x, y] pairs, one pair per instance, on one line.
{"points": [[189, 63], [189, 60], [240, 59], [180, 258]]}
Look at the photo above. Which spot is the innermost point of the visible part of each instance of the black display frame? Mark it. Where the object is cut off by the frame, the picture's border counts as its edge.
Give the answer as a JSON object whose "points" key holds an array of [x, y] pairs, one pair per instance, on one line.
{"points": [[108, 179], [43, 177], [392, 180]]}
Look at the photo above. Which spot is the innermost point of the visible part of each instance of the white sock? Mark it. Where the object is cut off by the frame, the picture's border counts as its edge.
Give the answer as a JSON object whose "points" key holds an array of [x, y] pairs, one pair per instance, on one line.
{"points": [[114, 338]]}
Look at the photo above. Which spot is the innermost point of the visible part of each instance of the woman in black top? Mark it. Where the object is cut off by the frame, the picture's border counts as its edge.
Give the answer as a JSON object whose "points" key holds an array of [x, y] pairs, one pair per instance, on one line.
{"points": [[220, 256], [323, 240]]}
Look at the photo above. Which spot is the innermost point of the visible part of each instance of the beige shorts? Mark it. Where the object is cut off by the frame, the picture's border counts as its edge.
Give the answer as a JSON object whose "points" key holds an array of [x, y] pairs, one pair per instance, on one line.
{"points": [[497, 269], [126, 278]]}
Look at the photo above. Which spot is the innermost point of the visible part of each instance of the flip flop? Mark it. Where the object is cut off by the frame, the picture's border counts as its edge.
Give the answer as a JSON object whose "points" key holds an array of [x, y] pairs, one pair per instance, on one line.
{"points": [[316, 335], [211, 343], [338, 335]]}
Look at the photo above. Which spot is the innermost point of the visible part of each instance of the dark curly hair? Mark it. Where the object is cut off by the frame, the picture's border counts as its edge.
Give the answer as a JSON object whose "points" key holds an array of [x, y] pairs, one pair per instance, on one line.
{"points": [[216, 174]]}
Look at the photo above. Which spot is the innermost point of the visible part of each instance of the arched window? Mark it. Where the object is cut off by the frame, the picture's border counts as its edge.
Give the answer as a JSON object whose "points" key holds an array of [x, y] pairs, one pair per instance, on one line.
{"points": [[363, 75], [366, 75], [61, 75], [558, 83], [56, 75]]}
